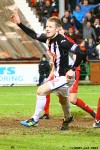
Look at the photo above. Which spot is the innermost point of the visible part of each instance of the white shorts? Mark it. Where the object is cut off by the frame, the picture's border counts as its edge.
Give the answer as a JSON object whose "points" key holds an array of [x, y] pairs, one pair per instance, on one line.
{"points": [[61, 86]]}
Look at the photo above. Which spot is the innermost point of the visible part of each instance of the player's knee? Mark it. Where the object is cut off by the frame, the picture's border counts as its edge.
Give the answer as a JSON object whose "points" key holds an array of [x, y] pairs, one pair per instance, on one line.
{"points": [[72, 100], [40, 92], [62, 100]]}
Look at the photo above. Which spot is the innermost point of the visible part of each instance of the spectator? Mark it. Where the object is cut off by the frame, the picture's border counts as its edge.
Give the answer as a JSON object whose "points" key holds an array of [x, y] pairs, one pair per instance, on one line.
{"points": [[91, 52], [44, 69], [88, 32], [71, 34], [65, 24], [78, 17], [72, 4], [67, 5], [76, 37], [32, 3], [54, 4], [39, 7], [46, 12], [98, 50], [87, 8], [98, 12], [40, 4], [66, 15], [96, 27], [55, 11], [89, 17]]}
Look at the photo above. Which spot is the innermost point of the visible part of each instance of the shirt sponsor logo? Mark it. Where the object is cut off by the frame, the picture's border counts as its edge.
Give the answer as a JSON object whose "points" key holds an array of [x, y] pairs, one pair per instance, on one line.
{"points": [[63, 41], [74, 47]]}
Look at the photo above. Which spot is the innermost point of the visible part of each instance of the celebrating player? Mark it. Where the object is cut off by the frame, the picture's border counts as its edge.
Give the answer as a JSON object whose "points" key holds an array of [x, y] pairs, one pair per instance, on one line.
{"points": [[59, 47]]}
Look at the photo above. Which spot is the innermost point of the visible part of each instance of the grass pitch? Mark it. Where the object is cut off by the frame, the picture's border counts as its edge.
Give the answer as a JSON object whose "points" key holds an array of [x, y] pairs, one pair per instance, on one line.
{"points": [[18, 103]]}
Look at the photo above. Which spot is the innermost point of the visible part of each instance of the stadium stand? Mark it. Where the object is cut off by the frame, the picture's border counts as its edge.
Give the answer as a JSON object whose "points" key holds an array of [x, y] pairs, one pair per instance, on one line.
{"points": [[14, 45]]}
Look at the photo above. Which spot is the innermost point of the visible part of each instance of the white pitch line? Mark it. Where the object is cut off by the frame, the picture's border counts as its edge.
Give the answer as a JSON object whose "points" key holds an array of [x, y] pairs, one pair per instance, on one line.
{"points": [[6, 95], [89, 93], [21, 94], [31, 105], [15, 104]]}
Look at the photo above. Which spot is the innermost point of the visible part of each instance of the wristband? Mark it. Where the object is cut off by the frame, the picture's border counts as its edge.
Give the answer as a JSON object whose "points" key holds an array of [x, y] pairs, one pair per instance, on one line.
{"points": [[73, 68]]}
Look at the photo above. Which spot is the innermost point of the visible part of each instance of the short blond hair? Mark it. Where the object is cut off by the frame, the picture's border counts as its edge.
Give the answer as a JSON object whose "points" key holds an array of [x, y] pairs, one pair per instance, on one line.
{"points": [[56, 20]]}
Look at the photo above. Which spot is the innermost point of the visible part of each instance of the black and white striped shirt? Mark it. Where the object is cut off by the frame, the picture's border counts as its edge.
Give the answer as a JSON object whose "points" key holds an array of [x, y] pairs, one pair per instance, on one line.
{"points": [[59, 47]]}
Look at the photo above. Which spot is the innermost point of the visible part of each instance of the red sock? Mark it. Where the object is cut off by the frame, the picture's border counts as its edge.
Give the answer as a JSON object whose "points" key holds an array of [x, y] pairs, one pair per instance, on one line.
{"points": [[98, 111], [46, 108], [84, 106]]}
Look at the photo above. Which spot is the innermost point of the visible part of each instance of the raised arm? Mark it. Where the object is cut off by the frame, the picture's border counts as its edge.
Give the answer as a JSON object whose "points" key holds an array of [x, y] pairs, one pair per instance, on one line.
{"points": [[28, 31]]}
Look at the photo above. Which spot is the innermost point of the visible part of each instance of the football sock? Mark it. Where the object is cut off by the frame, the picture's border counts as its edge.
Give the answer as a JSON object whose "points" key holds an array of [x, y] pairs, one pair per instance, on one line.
{"points": [[84, 106], [46, 108], [66, 110], [40, 104], [97, 117]]}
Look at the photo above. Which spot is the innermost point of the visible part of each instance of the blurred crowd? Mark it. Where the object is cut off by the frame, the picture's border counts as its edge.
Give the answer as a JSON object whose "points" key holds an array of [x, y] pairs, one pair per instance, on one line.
{"points": [[81, 21]]}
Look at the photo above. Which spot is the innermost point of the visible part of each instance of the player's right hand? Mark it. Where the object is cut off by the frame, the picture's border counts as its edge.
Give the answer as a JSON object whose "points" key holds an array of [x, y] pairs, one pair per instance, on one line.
{"points": [[15, 18]]}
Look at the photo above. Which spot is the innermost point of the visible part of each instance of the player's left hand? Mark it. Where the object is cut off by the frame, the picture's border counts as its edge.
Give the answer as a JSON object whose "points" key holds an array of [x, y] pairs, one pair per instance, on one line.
{"points": [[70, 74]]}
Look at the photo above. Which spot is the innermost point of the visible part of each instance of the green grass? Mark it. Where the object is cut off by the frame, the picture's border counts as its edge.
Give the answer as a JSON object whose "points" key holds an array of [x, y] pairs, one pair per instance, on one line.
{"points": [[19, 102]]}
